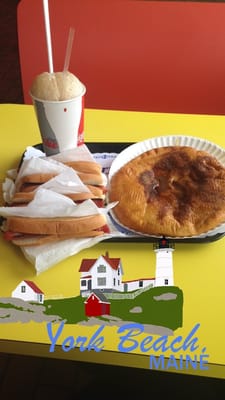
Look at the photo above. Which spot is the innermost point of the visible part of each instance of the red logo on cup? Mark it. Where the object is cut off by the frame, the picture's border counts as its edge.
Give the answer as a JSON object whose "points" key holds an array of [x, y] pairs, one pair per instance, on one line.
{"points": [[51, 143]]}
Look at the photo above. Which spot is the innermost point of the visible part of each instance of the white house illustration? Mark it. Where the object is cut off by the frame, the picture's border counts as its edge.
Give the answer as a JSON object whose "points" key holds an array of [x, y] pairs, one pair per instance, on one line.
{"points": [[28, 291], [164, 263], [105, 274]]}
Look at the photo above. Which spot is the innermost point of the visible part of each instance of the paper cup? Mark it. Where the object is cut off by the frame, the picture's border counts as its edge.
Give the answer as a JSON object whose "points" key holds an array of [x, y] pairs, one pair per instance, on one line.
{"points": [[61, 123]]}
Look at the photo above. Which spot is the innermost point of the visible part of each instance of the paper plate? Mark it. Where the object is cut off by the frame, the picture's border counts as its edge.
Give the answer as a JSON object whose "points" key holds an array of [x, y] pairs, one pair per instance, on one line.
{"points": [[137, 149]]}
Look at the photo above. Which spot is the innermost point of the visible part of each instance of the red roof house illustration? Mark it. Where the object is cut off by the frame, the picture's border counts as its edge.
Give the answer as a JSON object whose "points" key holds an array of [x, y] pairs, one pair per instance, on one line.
{"points": [[28, 291], [96, 304], [105, 274]]}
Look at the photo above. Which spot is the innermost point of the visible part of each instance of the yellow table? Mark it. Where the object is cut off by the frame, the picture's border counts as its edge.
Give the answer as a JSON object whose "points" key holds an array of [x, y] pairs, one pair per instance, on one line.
{"points": [[199, 269]]}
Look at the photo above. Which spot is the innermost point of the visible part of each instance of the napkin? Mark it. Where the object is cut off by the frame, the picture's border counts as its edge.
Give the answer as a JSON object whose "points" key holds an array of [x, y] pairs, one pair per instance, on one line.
{"points": [[66, 182], [47, 203], [80, 153], [37, 165], [34, 162], [50, 200]]}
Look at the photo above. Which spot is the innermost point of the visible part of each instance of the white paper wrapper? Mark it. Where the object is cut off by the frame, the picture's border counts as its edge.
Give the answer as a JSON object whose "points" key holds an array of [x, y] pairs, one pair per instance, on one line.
{"points": [[8, 189], [49, 204], [8, 186], [80, 153], [66, 182], [49, 201], [77, 154], [137, 149], [37, 165], [66, 179], [46, 256], [31, 152]]}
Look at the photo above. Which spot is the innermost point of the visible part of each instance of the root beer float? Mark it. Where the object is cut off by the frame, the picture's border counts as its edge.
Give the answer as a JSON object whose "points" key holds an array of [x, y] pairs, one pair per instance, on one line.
{"points": [[58, 99]]}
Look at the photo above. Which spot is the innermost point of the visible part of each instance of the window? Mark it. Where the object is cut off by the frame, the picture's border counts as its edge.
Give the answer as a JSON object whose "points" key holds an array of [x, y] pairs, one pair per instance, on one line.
{"points": [[140, 283], [114, 281], [83, 282], [101, 281], [118, 271], [166, 282], [101, 268], [23, 289]]}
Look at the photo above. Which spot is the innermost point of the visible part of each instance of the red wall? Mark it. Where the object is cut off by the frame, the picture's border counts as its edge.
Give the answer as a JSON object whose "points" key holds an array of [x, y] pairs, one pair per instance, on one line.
{"points": [[132, 55], [95, 308]]}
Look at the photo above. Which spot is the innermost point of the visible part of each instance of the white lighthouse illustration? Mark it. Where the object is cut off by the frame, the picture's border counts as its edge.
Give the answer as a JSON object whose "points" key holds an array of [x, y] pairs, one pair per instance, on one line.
{"points": [[164, 263]]}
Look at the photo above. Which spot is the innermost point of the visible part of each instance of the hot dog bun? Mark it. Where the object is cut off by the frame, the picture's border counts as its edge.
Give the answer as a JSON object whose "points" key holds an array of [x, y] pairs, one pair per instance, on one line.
{"points": [[38, 178], [38, 240], [85, 166], [89, 172], [24, 231], [55, 226], [26, 195]]}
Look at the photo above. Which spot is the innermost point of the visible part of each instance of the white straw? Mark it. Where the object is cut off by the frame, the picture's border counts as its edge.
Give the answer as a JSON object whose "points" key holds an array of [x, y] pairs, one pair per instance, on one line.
{"points": [[68, 49], [48, 35]]}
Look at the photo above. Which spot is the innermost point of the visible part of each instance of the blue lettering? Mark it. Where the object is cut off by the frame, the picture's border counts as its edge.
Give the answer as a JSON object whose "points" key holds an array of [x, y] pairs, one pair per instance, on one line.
{"points": [[178, 339], [80, 342], [129, 343], [156, 361], [160, 343], [144, 343], [189, 360], [172, 362], [203, 361], [191, 343], [54, 338], [133, 330], [68, 344], [181, 362], [95, 341]]}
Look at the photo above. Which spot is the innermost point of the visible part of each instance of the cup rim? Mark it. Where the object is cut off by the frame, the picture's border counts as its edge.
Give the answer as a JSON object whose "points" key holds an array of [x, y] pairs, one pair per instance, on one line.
{"points": [[59, 101]]}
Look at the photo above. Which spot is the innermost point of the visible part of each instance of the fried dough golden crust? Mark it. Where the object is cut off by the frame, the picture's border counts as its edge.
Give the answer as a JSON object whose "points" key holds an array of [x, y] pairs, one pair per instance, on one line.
{"points": [[175, 191]]}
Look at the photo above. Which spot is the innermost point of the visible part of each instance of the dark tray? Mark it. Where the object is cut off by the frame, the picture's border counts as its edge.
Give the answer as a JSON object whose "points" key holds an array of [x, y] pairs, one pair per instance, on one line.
{"points": [[117, 147]]}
